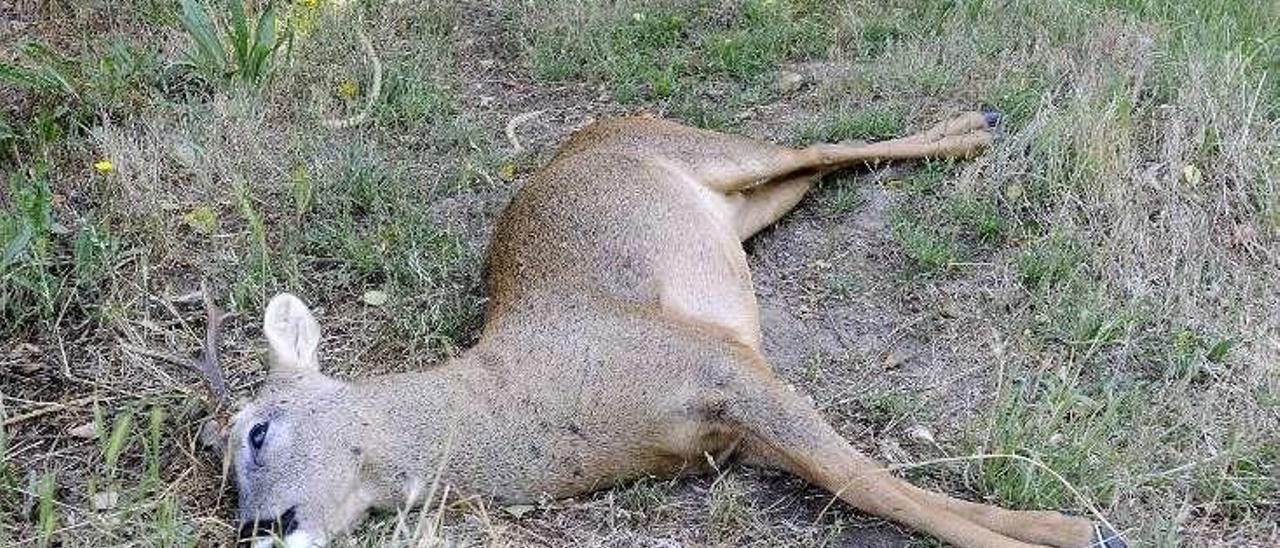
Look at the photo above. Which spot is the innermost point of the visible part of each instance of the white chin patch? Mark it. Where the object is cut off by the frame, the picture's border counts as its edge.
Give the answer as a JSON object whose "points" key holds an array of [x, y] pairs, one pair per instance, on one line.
{"points": [[302, 540], [293, 540]]}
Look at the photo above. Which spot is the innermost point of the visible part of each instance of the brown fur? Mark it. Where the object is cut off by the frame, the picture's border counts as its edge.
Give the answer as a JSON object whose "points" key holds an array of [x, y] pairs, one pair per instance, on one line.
{"points": [[621, 340]]}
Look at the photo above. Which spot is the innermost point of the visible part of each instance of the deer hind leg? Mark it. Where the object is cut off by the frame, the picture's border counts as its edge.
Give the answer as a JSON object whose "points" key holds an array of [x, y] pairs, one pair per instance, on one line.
{"points": [[764, 205], [759, 181], [782, 431], [961, 137], [760, 205]]}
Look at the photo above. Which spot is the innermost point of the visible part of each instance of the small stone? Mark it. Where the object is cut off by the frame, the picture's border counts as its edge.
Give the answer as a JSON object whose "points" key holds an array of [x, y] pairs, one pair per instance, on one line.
{"points": [[788, 82], [951, 310], [105, 500], [921, 434], [84, 431], [897, 358]]}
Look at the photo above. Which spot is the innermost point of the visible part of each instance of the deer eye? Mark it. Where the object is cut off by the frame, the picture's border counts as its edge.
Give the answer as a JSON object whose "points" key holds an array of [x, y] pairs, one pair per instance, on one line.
{"points": [[258, 435]]}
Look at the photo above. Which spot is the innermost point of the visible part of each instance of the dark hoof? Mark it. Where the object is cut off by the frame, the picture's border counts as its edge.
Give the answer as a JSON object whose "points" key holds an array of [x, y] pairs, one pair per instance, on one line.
{"points": [[992, 116], [1107, 538]]}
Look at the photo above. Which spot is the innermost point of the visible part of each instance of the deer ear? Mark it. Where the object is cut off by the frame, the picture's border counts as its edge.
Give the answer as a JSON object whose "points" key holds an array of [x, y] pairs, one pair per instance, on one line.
{"points": [[293, 334]]}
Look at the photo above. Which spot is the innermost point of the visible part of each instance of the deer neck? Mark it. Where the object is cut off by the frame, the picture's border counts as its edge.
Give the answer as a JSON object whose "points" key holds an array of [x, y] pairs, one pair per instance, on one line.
{"points": [[418, 427]]}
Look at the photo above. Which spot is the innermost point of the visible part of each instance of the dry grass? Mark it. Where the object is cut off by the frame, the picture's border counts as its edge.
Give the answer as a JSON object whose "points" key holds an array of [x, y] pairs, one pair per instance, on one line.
{"points": [[1097, 293]]}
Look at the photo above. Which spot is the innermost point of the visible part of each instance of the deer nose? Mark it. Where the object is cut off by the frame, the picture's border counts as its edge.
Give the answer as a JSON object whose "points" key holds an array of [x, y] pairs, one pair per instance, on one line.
{"points": [[279, 527]]}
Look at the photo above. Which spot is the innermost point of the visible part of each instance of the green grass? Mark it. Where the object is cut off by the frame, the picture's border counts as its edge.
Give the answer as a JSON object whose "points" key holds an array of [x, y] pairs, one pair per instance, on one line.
{"points": [[871, 124], [1069, 425], [236, 45], [838, 195], [1049, 260], [645, 500], [977, 215], [927, 248], [670, 51], [730, 510]]}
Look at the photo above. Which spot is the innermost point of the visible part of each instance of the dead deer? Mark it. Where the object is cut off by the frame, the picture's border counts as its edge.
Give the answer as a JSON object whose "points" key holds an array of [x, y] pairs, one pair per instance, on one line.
{"points": [[621, 340]]}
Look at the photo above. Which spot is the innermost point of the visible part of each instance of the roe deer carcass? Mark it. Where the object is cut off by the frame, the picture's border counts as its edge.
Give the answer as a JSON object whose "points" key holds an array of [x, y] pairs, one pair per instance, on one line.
{"points": [[621, 340]]}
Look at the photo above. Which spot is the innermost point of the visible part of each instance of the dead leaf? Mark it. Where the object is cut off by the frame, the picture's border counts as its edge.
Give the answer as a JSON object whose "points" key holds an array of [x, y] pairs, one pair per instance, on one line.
{"points": [[85, 431], [1191, 174], [374, 297], [105, 500], [518, 510]]}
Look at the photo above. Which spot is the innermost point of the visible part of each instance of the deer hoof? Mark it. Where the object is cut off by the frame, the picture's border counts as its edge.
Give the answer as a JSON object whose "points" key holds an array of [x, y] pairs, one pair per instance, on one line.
{"points": [[1107, 537], [991, 115]]}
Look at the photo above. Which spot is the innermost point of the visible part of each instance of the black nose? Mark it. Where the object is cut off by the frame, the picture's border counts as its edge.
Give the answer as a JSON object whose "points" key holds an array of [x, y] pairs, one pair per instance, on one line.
{"points": [[279, 527]]}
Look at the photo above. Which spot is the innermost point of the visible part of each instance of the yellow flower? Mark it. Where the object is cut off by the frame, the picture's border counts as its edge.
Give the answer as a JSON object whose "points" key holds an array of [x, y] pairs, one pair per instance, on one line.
{"points": [[104, 166], [348, 89], [507, 172], [1191, 174], [310, 3]]}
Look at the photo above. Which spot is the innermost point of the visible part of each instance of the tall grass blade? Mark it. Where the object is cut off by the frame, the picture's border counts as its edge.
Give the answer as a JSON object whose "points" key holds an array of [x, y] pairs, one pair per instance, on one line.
{"points": [[117, 441], [46, 519], [155, 426], [20, 77]]}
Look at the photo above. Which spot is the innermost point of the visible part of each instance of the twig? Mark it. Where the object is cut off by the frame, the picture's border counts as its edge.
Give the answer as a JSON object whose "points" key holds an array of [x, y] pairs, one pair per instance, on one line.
{"points": [[51, 407], [208, 364], [170, 358], [514, 123]]}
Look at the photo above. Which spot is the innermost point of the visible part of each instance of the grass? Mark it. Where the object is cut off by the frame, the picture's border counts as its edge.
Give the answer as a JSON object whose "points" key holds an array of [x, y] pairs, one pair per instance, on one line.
{"points": [[1119, 239], [869, 124], [685, 55], [928, 248]]}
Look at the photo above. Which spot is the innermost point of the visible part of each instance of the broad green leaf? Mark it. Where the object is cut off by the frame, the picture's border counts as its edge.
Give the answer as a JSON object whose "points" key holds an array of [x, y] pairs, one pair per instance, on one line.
{"points": [[20, 77], [209, 49], [14, 248], [264, 42], [240, 38]]}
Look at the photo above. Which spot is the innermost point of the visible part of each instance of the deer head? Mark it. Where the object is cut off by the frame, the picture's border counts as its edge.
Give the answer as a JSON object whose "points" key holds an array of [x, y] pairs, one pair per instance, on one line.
{"points": [[305, 462]]}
